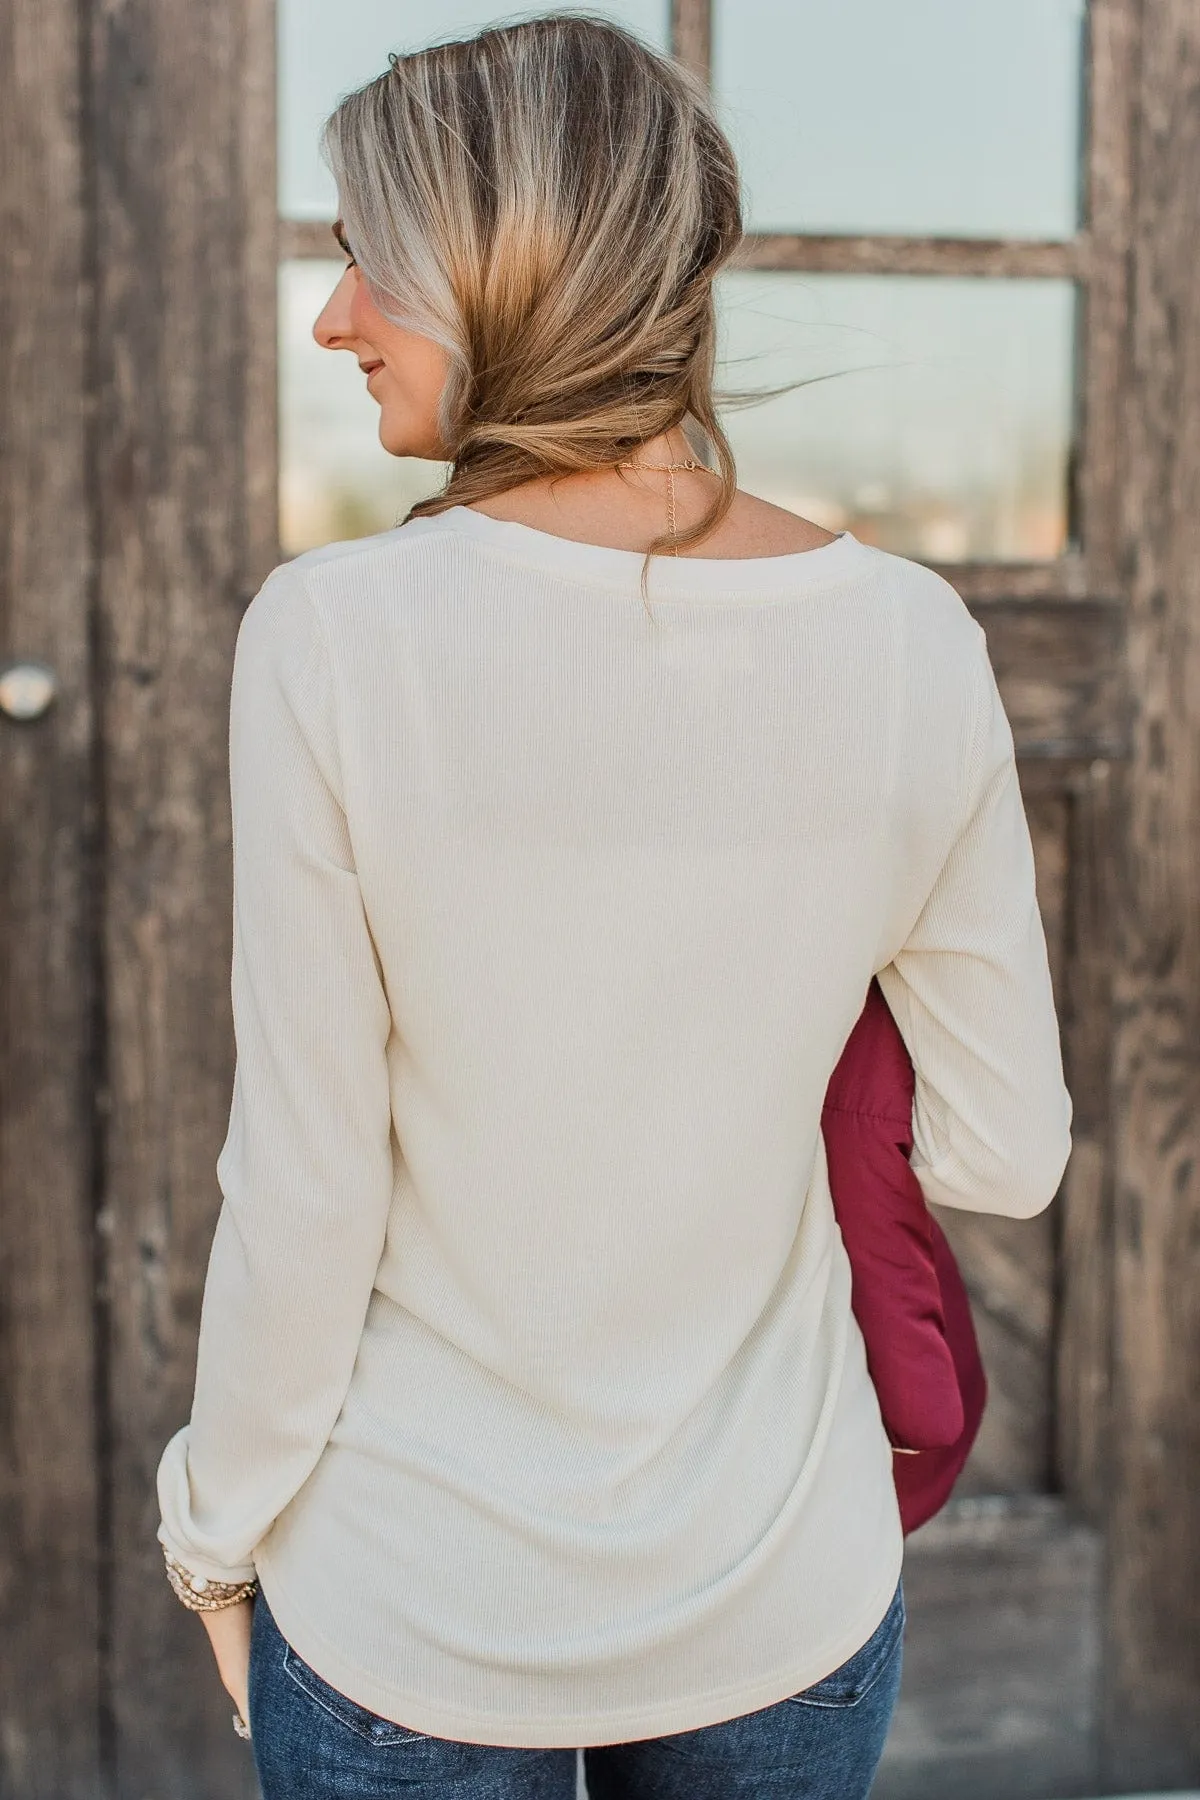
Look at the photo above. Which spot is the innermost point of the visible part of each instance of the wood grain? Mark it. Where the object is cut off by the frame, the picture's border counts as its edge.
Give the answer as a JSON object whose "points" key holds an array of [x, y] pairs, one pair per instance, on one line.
{"points": [[691, 34], [1154, 1614], [1083, 1216], [1103, 348], [1009, 1265], [51, 1686], [1060, 667], [181, 203], [835, 253], [259, 256], [838, 253], [138, 188], [1001, 1658], [1065, 578]]}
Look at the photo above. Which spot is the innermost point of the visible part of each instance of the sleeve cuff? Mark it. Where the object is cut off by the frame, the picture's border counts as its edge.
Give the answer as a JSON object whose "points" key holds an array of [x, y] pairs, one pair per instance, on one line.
{"points": [[197, 1564]]}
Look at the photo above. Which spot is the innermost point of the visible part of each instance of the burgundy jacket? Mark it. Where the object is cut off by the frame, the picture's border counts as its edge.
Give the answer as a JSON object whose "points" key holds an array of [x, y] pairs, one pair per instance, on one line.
{"points": [[906, 1290]]}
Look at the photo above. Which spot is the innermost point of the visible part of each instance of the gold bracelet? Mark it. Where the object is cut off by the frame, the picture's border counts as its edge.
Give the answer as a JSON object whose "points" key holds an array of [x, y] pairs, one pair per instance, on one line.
{"points": [[199, 1594]]}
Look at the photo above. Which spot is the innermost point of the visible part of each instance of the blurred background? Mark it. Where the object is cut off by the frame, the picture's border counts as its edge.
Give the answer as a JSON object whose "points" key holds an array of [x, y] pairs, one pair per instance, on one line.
{"points": [[949, 434], [971, 257]]}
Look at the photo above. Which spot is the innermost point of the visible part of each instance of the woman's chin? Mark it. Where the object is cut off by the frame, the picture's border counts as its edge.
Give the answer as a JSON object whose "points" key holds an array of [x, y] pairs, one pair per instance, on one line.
{"points": [[393, 441], [403, 443]]}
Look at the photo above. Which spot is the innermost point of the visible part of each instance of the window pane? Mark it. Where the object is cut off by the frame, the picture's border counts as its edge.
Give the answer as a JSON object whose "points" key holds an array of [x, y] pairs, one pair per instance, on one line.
{"points": [[325, 51], [932, 117], [336, 479], [944, 428], [936, 419]]}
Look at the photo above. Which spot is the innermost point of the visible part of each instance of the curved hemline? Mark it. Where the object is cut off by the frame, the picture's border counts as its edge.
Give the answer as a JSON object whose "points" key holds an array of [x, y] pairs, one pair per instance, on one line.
{"points": [[503, 1730]]}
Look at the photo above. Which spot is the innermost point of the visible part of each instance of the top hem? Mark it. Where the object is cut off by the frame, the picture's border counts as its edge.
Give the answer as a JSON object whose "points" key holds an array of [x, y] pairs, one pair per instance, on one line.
{"points": [[563, 1731]]}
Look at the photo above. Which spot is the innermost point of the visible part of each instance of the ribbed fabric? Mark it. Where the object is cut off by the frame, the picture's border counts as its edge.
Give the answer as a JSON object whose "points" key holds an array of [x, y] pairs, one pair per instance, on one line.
{"points": [[527, 1377]]}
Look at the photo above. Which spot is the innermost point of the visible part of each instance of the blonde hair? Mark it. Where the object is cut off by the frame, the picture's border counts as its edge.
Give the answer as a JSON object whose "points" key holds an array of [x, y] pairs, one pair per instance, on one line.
{"points": [[549, 201]]}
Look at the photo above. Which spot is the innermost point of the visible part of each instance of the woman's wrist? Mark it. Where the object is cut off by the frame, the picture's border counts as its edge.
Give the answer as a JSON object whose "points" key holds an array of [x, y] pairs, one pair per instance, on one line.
{"points": [[226, 1610], [229, 1629], [199, 1593]]}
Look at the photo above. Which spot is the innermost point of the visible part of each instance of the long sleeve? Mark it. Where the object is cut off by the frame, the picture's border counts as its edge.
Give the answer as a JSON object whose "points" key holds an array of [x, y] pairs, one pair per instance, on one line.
{"points": [[970, 991], [306, 1170]]}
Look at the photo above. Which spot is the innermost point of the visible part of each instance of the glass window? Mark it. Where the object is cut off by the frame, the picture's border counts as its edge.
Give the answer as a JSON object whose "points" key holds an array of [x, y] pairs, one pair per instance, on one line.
{"points": [[325, 51], [336, 479], [934, 419], [936, 415], [932, 117]]}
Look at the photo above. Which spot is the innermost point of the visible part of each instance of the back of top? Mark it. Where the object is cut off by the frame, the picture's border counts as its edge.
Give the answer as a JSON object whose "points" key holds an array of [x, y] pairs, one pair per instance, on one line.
{"points": [[551, 920]]}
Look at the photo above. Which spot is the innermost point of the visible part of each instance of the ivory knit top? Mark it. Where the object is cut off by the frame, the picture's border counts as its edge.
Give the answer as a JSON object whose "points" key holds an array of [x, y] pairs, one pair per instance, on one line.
{"points": [[528, 1380]]}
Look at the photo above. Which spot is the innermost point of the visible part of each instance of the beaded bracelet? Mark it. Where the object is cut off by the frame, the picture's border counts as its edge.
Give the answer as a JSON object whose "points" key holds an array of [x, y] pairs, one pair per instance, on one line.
{"points": [[199, 1594]]}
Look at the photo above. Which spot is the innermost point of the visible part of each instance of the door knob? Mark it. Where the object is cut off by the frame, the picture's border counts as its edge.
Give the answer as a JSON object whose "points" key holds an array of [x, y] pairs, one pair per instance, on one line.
{"points": [[26, 689]]}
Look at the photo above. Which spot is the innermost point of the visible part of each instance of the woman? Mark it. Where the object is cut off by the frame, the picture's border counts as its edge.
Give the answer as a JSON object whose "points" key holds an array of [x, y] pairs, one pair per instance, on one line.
{"points": [[528, 1384]]}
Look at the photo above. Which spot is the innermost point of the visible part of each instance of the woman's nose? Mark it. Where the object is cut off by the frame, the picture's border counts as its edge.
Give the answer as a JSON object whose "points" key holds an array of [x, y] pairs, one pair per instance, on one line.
{"points": [[332, 326]]}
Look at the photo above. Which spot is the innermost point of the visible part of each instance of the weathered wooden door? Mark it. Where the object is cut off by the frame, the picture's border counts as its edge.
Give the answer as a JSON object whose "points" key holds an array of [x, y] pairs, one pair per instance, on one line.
{"points": [[137, 516], [1054, 1647]]}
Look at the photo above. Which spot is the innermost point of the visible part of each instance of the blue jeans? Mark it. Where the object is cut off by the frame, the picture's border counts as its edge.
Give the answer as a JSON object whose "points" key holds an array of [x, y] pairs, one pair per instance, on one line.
{"points": [[824, 1743]]}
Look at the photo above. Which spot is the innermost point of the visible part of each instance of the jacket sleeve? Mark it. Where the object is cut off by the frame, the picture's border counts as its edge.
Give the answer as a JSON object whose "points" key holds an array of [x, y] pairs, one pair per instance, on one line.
{"points": [[306, 1168], [970, 991]]}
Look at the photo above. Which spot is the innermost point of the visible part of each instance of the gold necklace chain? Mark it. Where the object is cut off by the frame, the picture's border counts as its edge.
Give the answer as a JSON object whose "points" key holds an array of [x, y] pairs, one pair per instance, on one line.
{"points": [[669, 470]]}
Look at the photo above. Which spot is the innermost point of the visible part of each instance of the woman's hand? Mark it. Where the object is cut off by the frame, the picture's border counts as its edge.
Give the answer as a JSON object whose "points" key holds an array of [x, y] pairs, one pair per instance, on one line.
{"points": [[229, 1634]]}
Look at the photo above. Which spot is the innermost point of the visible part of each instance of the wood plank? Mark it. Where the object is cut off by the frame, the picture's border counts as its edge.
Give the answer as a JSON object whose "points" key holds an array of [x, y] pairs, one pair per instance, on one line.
{"points": [[260, 264], [846, 254], [1009, 1265], [1063, 579], [1000, 1696], [828, 254], [1084, 1209], [1049, 822], [51, 1688], [179, 202], [1154, 1659], [308, 238], [691, 35], [1103, 350], [1061, 672]]}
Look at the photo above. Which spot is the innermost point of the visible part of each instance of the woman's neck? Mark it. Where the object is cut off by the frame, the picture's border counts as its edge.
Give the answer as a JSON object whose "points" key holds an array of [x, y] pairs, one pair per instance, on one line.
{"points": [[626, 509]]}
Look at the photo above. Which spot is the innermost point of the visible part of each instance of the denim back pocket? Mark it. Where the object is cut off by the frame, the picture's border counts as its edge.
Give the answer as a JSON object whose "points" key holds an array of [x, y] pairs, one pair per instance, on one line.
{"points": [[356, 1718], [853, 1681]]}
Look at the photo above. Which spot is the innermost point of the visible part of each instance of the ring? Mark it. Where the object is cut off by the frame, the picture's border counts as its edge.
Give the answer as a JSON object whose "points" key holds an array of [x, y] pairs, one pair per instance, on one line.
{"points": [[240, 1726]]}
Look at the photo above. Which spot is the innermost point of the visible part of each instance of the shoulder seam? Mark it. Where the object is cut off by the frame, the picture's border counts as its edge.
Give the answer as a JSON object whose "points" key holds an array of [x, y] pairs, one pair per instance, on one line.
{"points": [[970, 795], [353, 549], [319, 647]]}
